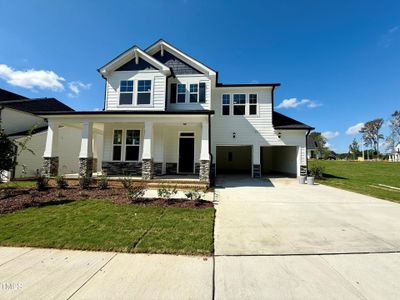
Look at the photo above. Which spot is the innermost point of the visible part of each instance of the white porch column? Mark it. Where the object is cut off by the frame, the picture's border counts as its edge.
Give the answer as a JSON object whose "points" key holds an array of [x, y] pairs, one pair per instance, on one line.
{"points": [[204, 172], [86, 153], [256, 161], [147, 155], [50, 155]]}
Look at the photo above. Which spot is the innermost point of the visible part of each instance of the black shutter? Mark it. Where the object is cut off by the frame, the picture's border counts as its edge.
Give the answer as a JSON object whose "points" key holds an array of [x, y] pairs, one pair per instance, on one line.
{"points": [[173, 93], [202, 92]]}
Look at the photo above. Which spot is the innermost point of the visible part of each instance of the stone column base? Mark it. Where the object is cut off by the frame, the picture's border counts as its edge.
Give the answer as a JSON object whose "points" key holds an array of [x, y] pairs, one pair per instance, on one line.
{"points": [[94, 165], [204, 172], [86, 166], [147, 169], [256, 171], [50, 166]]}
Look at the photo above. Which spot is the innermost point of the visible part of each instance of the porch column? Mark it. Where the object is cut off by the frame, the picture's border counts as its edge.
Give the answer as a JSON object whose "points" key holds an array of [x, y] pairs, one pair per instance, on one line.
{"points": [[147, 157], [86, 153], [204, 174], [50, 155], [256, 161]]}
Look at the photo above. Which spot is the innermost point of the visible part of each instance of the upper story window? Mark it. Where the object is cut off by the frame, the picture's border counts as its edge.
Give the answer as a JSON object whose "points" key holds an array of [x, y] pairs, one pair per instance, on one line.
{"points": [[226, 104], [194, 90], [252, 104], [126, 92], [144, 92], [239, 104], [181, 92]]}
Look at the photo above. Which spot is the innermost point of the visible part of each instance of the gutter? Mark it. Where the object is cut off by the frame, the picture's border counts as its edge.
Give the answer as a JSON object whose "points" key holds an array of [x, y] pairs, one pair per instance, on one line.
{"points": [[308, 132]]}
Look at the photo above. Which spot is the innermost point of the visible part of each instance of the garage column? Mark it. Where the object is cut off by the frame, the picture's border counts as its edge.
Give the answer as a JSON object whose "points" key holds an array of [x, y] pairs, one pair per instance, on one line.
{"points": [[256, 161], [50, 155], [147, 157], [204, 173]]}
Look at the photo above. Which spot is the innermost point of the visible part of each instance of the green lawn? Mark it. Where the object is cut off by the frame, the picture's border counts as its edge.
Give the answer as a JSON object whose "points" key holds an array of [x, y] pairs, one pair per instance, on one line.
{"points": [[363, 177], [15, 184], [102, 225]]}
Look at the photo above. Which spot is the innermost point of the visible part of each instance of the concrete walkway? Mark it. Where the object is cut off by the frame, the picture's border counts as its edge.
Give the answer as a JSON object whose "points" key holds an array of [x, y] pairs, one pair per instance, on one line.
{"points": [[274, 240], [280, 240]]}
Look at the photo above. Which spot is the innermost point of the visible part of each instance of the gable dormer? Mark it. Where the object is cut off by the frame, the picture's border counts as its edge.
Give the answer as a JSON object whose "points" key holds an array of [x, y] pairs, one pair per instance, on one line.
{"points": [[189, 87], [135, 81]]}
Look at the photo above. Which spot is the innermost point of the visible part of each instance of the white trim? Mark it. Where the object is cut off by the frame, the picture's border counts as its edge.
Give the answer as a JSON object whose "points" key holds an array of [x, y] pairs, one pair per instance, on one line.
{"points": [[191, 61], [194, 149]]}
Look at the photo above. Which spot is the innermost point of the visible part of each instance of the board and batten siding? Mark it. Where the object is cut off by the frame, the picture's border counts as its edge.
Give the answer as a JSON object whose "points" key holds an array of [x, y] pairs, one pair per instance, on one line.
{"points": [[158, 81]]}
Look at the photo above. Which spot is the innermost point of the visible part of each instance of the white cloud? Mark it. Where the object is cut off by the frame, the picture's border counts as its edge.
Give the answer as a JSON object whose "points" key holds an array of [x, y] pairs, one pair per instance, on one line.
{"points": [[330, 134], [31, 79], [355, 129], [76, 86], [387, 39], [294, 103]]}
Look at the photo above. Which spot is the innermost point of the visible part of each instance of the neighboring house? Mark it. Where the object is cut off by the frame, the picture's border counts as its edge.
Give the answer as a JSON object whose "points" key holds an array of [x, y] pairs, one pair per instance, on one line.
{"points": [[313, 148], [166, 113], [395, 155], [20, 117]]}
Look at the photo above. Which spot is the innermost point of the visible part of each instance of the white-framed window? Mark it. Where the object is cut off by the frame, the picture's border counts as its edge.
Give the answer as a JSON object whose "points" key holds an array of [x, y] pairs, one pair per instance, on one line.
{"points": [[117, 145], [181, 92], [193, 92], [126, 92], [226, 104], [132, 144], [143, 92], [239, 104], [252, 104], [126, 145]]}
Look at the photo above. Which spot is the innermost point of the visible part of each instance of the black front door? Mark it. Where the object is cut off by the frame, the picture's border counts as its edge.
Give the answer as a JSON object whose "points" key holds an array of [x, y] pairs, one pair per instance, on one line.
{"points": [[186, 155]]}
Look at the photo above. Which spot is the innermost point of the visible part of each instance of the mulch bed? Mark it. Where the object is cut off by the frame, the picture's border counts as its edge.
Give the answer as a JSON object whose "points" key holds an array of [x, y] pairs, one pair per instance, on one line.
{"points": [[12, 199]]}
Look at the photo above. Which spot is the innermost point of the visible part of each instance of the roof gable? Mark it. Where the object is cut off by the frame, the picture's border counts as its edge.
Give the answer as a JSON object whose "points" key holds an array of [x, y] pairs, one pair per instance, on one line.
{"points": [[177, 66], [134, 53], [162, 47], [133, 66]]}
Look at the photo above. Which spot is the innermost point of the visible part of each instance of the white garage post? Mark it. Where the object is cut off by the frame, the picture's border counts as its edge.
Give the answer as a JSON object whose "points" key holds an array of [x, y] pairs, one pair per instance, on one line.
{"points": [[147, 157], [204, 172], [86, 153], [50, 155], [256, 161]]}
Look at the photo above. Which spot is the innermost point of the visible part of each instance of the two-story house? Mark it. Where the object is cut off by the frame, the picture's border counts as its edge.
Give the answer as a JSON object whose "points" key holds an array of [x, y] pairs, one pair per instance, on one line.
{"points": [[166, 113]]}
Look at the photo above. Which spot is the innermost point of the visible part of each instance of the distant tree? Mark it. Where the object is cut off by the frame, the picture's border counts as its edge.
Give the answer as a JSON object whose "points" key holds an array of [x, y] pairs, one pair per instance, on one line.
{"points": [[354, 149], [394, 137], [371, 135], [321, 141]]}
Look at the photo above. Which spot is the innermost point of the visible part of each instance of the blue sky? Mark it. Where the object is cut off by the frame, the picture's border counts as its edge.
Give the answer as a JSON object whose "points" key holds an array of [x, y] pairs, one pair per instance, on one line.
{"points": [[338, 61]]}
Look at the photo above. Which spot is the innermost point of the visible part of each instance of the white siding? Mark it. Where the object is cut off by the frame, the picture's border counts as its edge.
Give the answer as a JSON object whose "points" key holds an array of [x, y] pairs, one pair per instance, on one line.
{"points": [[185, 79], [158, 89], [69, 146], [255, 130], [14, 121]]}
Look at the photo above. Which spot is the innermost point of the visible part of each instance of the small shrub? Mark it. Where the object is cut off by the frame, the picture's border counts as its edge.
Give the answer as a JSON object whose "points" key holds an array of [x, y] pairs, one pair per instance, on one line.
{"points": [[42, 183], [126, 182], [103, 182], [194, 195], [85, 182], [317, 171], [167, 192], [136, 190], [61, 182]]}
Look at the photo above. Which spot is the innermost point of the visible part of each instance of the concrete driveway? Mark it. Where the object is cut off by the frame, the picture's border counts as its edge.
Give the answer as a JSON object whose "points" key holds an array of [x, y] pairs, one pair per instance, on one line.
{"points": [[280, 240]]}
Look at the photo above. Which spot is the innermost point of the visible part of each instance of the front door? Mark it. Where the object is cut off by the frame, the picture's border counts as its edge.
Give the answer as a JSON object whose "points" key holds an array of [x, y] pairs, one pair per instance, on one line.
{"points": [[186, 155]]}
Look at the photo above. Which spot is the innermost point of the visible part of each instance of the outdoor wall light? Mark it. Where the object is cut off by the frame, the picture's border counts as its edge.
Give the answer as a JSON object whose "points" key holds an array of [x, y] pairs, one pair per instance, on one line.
{"points": [[234, 135], [279, 134], [184, 124]]}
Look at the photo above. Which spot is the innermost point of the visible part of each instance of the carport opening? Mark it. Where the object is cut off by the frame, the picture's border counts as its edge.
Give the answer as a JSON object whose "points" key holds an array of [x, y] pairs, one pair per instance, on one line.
{"points": [[234, 160], [279, 161]]}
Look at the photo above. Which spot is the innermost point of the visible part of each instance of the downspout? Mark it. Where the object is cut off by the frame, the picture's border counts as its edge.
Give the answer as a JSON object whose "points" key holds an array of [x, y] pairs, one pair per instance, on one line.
{"points": [[272, 103]]}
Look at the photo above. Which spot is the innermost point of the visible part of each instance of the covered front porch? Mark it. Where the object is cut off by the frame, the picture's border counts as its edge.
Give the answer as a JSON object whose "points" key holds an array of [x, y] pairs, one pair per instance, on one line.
{"points": [[163, 146]]}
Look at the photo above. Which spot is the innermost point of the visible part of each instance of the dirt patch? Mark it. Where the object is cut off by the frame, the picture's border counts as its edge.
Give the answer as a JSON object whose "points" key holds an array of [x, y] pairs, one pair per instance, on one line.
{"points": [[12, 199]]}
